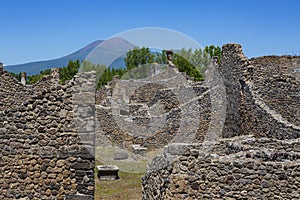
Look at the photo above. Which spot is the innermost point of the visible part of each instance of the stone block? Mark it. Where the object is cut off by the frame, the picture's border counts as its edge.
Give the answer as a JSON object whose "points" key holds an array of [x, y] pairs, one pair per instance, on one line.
{"points": [[68, 151], [139, 150], [177, 148], [120, 154], [108, 172], [81, 165], [87, 152], [79, 197], [47, 152], [87, 138]]}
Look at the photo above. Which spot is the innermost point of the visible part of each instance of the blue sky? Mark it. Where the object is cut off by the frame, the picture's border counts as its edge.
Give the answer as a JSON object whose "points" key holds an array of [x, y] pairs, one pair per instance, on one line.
{"points": [[32, 30]]}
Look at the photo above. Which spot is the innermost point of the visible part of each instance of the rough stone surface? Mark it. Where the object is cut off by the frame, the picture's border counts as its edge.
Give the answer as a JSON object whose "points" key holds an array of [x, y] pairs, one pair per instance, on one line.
{"points": [[257, 155], [153, 111], [241, 145], [120, 154], [42, 154]]}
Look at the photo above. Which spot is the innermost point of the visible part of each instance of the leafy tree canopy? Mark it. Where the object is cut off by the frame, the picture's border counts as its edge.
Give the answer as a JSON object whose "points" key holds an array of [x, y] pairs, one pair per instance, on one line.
{"points": [[193, 62], [68, 72]]}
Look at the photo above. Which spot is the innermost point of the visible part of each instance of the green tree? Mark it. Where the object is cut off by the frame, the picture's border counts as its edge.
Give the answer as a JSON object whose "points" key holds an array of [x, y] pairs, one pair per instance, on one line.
{"points": [[35, 78], [138, 56], [17, 76], [193, 62], [161, 58], [103, 73], [200, 60], [108, 74], [67, 73], [87, 66], [214, 51], [186, 66]]}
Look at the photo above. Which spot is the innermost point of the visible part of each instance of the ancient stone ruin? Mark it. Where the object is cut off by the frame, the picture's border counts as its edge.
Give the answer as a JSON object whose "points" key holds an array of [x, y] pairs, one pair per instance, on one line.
{"points": [[233, 136], [46, 138], [107, 172], [257, 153]]}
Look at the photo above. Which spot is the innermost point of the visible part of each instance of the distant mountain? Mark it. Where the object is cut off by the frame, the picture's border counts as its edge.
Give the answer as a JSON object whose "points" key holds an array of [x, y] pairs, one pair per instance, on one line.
{"points": [[94, 50], [35, 67], [111, 52]]}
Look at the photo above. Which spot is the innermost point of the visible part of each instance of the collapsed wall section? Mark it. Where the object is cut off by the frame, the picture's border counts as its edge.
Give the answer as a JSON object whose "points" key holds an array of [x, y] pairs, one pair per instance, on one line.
{"points": [[153, 111]]}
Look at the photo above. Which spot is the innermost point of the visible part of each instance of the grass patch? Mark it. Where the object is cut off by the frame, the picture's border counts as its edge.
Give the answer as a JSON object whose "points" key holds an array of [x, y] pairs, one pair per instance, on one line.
{"points": [[129, 186]]}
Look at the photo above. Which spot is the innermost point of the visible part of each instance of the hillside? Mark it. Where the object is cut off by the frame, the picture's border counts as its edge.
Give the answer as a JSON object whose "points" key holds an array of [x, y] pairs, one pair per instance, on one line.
{"points": [[35, 67]]}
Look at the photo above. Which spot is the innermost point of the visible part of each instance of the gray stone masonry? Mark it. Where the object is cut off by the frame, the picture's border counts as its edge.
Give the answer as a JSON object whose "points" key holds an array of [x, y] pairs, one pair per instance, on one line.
{"points": [[258, 153], [234, 136], [44, 152]]}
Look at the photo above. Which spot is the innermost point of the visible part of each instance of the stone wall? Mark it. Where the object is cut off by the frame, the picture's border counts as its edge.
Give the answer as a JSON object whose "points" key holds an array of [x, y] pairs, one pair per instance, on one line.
{"points": [[235, 170], [11, 89], [44, 154], [271, 98], [253, 88], [262, 94], [277, 84], [246, 134], [258, 152], [153, 111], [232, 73]]}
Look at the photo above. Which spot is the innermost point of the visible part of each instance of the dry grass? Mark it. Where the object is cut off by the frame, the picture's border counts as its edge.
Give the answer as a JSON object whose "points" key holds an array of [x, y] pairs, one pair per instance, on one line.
{"points": [[127, 187]]}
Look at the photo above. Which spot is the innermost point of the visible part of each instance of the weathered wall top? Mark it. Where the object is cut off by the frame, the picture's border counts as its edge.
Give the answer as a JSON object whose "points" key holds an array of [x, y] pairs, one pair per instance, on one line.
{"points": [[44, 154], [258, 154], [47, 131]]}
